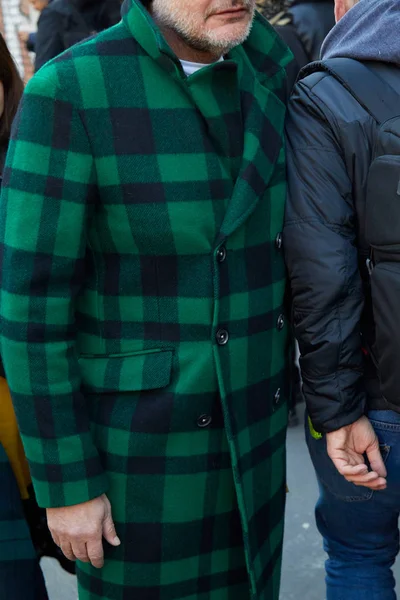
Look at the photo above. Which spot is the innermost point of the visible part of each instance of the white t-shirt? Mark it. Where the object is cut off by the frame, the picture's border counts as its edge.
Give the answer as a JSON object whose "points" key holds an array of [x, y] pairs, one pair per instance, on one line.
{"points": [[192, 67]]}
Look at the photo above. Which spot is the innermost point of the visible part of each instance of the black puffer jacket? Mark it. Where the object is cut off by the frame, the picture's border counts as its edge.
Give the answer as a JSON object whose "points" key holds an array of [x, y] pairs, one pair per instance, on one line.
{"points": [[330, 144]]}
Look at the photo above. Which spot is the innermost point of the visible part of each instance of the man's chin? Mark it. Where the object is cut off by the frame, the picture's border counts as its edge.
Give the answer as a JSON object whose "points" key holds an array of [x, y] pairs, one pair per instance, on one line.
{"points": [[230, 35]]}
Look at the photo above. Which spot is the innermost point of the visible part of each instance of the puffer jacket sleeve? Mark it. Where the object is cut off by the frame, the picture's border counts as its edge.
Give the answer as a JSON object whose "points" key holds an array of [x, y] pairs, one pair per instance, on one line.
{"points": [[322, 259]]}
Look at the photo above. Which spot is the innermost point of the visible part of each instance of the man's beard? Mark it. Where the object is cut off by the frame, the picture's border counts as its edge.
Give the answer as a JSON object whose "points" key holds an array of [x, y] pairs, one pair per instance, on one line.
{"points": [[185, 24]]}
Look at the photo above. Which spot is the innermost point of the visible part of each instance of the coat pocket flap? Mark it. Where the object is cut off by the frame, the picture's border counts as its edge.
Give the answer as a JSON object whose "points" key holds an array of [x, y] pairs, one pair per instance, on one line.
{"points": [[127, 373]]}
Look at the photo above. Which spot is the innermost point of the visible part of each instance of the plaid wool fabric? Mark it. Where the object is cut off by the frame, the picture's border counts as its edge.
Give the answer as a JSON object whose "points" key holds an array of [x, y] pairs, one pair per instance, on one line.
{"points": [[142, 289], [20, 574]]}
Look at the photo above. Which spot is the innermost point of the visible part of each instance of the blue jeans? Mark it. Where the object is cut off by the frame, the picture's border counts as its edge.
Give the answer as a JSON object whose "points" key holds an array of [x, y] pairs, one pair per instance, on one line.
{"points": [[360, 527]]}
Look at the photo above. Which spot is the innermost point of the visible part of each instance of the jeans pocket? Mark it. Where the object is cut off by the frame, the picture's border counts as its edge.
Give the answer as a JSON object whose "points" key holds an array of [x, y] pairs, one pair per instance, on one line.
{"points": [[330, 477]]}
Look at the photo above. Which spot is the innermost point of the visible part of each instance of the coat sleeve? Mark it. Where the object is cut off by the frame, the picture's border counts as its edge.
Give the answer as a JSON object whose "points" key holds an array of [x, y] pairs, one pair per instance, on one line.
{"points": [[49, 40], [47, 199], [31, 43], [322, 259]]}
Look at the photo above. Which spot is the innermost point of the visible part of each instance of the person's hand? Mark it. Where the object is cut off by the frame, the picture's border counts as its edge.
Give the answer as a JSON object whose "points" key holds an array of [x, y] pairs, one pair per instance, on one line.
{"points": [[79, 530], [23, 36], [347, 446]]}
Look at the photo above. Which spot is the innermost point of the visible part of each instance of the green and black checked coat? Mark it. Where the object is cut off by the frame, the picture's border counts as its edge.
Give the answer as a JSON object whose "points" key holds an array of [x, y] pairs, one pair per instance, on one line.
{"points": [[141, 305], [20, 575]]}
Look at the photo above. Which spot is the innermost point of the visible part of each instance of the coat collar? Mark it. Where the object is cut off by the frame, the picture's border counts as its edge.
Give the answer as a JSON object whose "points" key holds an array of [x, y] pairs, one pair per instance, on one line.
{"points": [[266, 52], [254, 72], [145, 31]]}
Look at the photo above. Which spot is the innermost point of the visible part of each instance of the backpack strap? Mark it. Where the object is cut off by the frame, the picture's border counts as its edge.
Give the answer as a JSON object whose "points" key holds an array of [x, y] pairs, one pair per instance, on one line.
{"points": [[374, 94]]}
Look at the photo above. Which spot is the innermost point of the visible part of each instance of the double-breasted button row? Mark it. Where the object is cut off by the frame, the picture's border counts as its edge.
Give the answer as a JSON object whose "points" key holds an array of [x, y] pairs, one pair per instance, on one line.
{"points": [[277, 396], [280, 324], [221, 254], [222, 337], [279, 241], [204, 421]]}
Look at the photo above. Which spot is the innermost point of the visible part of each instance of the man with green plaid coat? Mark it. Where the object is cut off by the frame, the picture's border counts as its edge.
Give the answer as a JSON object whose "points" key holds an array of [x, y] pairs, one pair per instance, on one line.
{"points": [[143, 332]]}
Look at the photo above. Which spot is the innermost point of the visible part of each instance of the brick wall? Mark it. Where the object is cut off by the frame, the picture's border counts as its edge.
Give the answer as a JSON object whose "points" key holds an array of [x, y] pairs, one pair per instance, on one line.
{"points": [[16, 14]]}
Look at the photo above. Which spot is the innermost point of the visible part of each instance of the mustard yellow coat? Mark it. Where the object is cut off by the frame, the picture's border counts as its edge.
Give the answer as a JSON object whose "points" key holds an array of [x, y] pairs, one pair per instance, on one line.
{"points": [[11, 440]]}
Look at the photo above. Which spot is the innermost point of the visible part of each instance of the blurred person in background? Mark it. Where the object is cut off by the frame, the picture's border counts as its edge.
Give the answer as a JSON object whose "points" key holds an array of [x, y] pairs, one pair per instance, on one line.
{"points": [[313, 20], [39, 5], [29, 38], [64, 23]]}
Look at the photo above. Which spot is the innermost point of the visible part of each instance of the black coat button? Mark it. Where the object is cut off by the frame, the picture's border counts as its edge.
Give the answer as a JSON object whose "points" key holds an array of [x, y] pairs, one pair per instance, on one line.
{"points": [[277, 396], [222, 337], [279, 241], [221, 254], [280, 324], [204, 421]]}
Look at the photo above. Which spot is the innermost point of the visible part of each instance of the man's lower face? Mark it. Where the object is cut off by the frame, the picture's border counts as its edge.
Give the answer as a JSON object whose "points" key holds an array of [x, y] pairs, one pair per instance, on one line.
{"points": [[207, 24]]}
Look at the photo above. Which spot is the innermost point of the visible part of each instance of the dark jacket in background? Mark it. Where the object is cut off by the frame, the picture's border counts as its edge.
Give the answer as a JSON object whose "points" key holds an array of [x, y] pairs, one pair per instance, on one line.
{"points": [[31, 43], [287, 31], [330, 145], [66, 22], [312, 21]]}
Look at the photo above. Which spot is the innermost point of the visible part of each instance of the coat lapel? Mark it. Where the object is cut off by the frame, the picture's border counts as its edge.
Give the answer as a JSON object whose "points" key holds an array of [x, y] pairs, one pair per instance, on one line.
{"points": [[263, 115], [239, 100]]}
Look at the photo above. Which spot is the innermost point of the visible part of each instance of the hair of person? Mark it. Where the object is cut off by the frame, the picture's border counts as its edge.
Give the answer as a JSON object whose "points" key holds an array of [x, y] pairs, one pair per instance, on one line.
{"points": [[13, 89]]}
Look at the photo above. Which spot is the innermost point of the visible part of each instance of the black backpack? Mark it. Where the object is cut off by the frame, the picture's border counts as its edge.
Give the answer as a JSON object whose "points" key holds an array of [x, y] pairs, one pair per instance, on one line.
{"points": [[382, 216]]}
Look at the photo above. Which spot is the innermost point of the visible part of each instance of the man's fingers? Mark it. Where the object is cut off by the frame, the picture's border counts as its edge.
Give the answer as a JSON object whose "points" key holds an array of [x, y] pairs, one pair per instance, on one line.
{"points": [[96, 553], [80, 551], [376, 484], [359, 475], [347, 448], [372, 479], [67, 550], [343, 457], [109, 532], [365, 478], [80, 529], [376, 460], [351, 470]]}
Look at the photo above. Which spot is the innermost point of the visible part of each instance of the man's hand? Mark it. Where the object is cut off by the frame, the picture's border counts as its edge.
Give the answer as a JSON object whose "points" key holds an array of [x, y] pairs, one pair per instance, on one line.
{"points": [[346, 448], [79, 530]]}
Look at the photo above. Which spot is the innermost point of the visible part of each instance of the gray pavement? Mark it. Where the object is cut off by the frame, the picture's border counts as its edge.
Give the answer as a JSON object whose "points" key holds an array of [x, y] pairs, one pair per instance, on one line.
{"points": [[303, 558], [60, 585], [303, 563]]}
